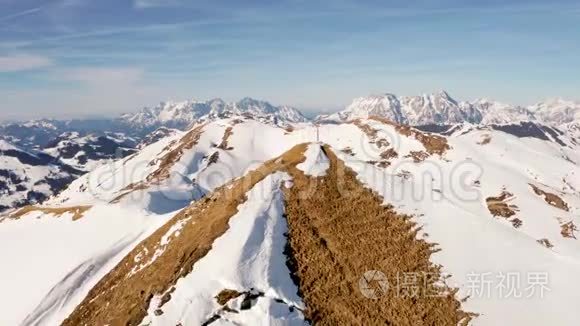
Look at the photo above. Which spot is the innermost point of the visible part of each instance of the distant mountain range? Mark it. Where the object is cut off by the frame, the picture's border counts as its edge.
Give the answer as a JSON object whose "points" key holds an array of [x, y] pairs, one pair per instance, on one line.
{"points": [[41, 157], [441, 108], [37, 134], [181, 115], [438, 108], [78, 146]]}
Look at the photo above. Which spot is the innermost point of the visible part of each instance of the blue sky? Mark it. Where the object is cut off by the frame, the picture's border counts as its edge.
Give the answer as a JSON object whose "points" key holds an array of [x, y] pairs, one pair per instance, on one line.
{"points": [[71, 58]]}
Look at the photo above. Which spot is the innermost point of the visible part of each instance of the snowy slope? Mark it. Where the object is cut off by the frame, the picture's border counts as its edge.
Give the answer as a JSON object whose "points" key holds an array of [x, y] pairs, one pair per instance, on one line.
{"points": [[444, 182], [27, 177]]}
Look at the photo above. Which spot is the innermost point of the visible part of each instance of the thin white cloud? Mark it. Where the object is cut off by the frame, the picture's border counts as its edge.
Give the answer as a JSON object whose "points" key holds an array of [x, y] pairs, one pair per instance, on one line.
{"points": [[23, 62], [146, 4], [102, 76], [20, 14], [111, 31], [95, 91]]}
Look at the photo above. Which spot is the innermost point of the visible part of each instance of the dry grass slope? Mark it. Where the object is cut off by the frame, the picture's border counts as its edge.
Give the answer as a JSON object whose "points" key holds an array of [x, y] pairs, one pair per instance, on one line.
{"points": [[344, 230], [122, 297], [76, 211]]}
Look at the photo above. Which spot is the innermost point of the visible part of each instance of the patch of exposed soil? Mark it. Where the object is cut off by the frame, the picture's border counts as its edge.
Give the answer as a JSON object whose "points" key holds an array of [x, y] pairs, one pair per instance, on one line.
{"points": [[434, 144], [546, 243], [418, 156], [516, 222], [123, 296], [348, 151], [550, 198], [226, 295], [338, 230], [499, 206], [485, 139], [76, 211], [213, 158], [387, 154], [224, 144], [249, 300], [569, 230], [368, 130]]}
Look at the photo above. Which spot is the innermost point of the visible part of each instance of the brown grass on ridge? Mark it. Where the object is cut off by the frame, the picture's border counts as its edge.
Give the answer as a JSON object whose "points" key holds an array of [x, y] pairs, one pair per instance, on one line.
{"points": [[344, 230], [167, 162], [77, 211], [550, 198], [122, 297]]}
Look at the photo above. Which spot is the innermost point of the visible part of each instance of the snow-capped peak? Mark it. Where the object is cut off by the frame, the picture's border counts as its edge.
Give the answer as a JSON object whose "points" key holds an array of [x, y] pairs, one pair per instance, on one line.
{"points": [[438, 108], [442, 108], [180, 115], [557, 111]]}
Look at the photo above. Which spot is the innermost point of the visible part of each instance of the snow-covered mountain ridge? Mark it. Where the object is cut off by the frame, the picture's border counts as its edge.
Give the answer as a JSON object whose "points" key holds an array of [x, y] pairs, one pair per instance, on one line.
{"points": [[441, 108], [87, 152], [181, 115], [28, 178], [240, 221]]}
